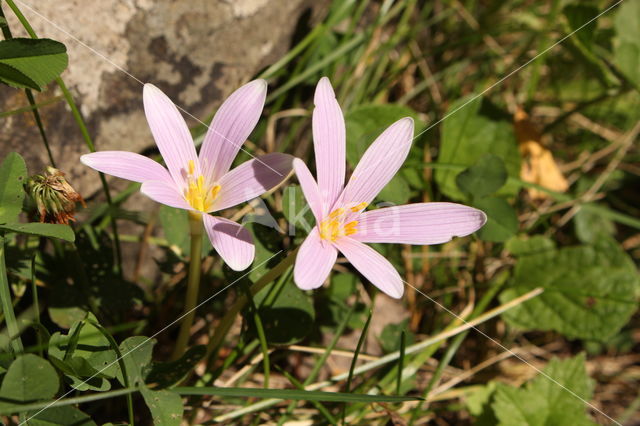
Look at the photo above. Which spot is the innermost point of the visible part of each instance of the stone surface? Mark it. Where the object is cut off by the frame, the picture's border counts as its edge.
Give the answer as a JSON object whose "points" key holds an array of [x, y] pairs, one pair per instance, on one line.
{"points": [[197, 51]]}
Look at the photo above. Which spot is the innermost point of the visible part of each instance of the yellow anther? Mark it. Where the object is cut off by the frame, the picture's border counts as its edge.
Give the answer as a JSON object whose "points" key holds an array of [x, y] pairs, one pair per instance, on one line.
{"points": [[338, 212], [214, 191], [198, 194], [333, 226], [359, 207]]}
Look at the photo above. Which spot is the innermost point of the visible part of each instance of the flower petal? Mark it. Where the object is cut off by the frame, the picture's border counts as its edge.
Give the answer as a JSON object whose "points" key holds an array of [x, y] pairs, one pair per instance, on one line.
{"points": [[232, 241], [310, 189], [252, 179], [328, 141], [374, 266], [230, 128], [422, 223], [379, 163], [170, 133], [165, 193], [126, 165], [314, 262]]}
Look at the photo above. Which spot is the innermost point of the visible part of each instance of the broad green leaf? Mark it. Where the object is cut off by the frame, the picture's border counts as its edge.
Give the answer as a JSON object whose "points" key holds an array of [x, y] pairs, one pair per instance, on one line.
{"points": [[590, 226], [298, 395], [531, 245], [366, 122], [165, 406], [29, 63], [589, 291], [29, 378], [60, 416], [296, 210], [502, 222], [286, 312], [626, 53], [543, 401], [13, 172], [136, 353], [473, 129], [484, 178], [267, 243], [166, 374], [175, 225], [396, 192], [50, 230]]}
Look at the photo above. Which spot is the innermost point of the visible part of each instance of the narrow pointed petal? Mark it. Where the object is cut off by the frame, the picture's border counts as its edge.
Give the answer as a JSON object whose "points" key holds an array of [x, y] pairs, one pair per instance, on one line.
{"points": [[423, 223], [165, 193], [328, 141], [126, 165], [232, 241], [309, 189], [374, 266], [231, 126], [170, 133], [252, 179], [314, 262], [380, 163]]}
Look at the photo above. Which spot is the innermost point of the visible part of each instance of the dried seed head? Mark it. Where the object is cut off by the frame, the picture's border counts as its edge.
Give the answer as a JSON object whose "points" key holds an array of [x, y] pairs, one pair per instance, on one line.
{"points": [[55, 198]]}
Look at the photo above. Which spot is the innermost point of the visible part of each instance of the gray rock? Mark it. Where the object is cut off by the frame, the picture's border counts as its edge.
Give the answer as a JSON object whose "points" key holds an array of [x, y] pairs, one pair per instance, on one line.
{"points": [[196, 51]]}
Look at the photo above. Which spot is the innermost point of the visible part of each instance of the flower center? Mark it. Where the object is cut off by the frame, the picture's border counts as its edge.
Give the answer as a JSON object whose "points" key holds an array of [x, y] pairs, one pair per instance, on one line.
{"points": [[334, 225], [197, 194]]}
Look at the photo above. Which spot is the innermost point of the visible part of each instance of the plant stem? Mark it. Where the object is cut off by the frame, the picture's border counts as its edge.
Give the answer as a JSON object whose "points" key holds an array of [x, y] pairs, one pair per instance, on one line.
{"points": [[193, 284], [7, 306], [227, 321]]}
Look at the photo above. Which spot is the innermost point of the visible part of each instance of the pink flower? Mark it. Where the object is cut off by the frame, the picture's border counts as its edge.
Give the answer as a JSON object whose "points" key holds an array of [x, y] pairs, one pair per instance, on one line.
{"points": [[341, 222], [203, 184]]}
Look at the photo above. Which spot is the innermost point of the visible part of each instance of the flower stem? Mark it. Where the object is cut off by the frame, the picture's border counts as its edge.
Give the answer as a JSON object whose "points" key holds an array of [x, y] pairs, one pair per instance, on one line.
{"points": [[193, 284], [7, 306]]}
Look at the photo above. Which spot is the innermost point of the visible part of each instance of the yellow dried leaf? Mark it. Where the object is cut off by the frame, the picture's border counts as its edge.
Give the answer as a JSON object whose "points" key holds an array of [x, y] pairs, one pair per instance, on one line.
{"points": [[538, 164]]}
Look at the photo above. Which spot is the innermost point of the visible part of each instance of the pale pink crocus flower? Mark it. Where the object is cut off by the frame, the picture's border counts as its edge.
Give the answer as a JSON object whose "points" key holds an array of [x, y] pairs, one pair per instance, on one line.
{"points": [[343, 225], [203, 183]]}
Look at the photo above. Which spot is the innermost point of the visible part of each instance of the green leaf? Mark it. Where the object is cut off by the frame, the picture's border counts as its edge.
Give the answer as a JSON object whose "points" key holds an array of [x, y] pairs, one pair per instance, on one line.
{"points": [[13, 172], [296, 209], [390, 336], [484, 178], [31, 63], [136, 353], [532, 245], [589, 291], [297, 395], [502, 221], [166, 374], [165, 406], [50, 230], [286, 312], [396, 192], [473, 130], [60, 416], [175, 225], [29, 378], [591, 226], [366, 122], [626, 52], [543, 402]]}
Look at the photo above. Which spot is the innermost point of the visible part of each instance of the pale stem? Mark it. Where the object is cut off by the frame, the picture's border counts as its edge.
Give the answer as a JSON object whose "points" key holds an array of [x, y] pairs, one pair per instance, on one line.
{"points": [[193, 284]]}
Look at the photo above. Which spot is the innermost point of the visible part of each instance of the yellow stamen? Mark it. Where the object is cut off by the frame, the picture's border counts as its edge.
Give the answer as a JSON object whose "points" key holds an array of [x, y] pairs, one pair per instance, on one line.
{"points": [[334, 227], [359, 207], [198, 194]]}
